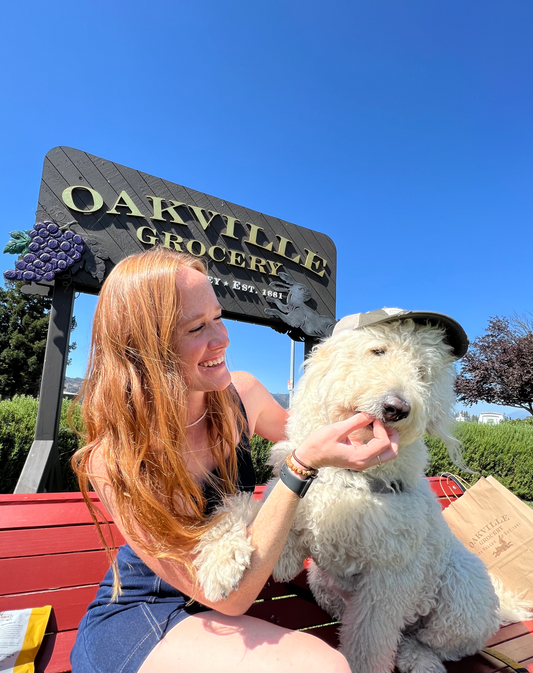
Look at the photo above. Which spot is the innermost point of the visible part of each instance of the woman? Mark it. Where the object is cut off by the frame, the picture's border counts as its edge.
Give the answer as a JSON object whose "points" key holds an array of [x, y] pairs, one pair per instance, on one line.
{"points": [[167, 437]]}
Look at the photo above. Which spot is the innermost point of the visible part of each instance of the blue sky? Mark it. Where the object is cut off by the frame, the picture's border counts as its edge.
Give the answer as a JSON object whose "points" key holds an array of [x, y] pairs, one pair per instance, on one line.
{"points": [[403, 130]]}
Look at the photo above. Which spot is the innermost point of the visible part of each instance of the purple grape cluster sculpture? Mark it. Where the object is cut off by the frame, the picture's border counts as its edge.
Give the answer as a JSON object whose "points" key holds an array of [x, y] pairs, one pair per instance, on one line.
{"points": [[47, 250]]}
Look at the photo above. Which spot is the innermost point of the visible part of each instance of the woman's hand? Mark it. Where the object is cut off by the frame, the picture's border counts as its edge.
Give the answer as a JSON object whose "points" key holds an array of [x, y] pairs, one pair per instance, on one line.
{"points": [[337, 445]]}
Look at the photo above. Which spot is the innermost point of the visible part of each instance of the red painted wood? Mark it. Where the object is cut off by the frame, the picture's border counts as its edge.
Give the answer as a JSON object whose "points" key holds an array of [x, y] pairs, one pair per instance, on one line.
{"points": [[56, 540], [39, 573], [41, 515], [69, 605], [528, 663], [274, 589], [443, 487], [301, 580], [291, 613], [509, 632], [259, 492], [519, 649], [39, 526], [329, 634], [54, 653], [31, 498]]}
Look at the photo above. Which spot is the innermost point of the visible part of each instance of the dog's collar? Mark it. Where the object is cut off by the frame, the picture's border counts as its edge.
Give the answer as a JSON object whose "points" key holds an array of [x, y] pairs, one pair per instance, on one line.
{"points": [[377, 485]]}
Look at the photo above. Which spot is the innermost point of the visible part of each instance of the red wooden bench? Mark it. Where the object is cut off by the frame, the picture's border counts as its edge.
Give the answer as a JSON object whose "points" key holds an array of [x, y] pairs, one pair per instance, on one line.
{"points": [[50, 554]]}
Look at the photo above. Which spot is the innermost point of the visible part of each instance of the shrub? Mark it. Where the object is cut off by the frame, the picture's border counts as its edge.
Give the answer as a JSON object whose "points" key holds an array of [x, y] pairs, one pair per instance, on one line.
{"points": [[17, 429], [260, 454], [504, 450]]}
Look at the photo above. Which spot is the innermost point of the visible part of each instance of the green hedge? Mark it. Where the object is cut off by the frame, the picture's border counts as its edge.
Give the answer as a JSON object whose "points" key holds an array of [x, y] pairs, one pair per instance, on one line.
{"points": [[260, 454], [17, 429], [504, 450]]}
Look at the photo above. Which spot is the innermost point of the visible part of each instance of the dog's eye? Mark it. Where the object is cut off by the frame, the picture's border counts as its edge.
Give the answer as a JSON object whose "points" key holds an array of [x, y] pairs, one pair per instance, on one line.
{"points": [[378, 351]]}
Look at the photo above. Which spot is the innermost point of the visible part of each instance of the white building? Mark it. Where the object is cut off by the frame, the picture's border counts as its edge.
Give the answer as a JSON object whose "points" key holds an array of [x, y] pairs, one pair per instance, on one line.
{"points": [[491, 418]]}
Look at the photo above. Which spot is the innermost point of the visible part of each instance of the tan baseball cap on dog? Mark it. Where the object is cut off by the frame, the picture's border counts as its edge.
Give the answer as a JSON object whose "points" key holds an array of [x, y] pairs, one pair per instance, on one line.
{"points": [[456, 335]]}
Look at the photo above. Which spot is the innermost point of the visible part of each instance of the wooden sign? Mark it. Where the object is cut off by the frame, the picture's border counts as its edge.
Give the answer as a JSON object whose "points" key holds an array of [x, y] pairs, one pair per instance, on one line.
{"points": [[264, 270]]}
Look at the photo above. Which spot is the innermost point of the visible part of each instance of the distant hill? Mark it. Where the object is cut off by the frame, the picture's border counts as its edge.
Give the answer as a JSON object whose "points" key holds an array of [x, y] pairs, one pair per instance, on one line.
{"points": [[72, 385], [282, 399]]}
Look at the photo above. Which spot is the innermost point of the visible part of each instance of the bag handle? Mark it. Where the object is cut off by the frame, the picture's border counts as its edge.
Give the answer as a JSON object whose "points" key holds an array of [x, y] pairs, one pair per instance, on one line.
{"points": [[514, 665], [461, 484], [457, 480]]}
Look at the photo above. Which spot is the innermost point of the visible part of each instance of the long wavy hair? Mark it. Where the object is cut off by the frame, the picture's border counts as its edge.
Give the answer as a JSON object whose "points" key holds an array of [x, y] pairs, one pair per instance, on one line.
{"points": [[134, 408]]}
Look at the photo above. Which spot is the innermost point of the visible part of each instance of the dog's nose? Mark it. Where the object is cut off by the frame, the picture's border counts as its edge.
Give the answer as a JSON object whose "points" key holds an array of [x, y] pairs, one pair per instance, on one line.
{"points": [[395, 409]]}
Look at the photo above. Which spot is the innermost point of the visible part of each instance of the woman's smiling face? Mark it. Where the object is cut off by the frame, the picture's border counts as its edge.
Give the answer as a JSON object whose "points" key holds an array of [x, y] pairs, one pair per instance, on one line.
{"points": [[203, 338]]}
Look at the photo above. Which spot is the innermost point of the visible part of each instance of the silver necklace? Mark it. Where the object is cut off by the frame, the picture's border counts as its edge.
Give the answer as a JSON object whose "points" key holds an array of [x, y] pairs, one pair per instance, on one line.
{"points": [[200, 419]]}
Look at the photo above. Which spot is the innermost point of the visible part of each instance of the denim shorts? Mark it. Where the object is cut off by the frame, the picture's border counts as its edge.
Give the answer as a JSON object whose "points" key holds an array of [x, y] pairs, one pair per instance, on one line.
{"points": [[117, 637]]}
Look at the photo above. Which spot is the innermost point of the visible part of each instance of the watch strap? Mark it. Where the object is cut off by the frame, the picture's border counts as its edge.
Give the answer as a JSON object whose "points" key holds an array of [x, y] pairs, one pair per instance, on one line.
{"points": [[294, 483]]}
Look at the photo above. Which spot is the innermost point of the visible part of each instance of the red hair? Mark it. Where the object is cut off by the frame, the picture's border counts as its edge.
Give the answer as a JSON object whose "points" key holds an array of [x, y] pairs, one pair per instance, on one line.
{"points": [[134, 408]]}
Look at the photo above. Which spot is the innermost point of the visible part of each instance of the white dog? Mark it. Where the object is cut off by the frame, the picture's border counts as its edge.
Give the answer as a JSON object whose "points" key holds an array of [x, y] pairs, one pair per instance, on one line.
{"points": [[386, 565]]}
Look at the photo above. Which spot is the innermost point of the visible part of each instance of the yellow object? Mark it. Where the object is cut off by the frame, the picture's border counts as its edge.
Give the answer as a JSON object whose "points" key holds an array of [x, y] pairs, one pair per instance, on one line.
{"points": [[21, 635]]}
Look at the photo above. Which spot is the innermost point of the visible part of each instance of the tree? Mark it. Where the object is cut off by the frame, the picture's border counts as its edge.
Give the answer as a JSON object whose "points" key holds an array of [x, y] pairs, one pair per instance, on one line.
{"points": [[499, 366], [23, 329], [466, 417]]}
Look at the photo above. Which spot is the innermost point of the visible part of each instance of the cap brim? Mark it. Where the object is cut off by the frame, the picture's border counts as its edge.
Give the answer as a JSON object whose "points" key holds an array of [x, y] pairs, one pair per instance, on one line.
{"points": [[456, 336]]}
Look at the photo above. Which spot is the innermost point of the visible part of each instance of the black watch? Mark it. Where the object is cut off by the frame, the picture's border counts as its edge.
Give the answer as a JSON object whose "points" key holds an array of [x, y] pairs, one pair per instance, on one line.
{"points": [[294, 483]]}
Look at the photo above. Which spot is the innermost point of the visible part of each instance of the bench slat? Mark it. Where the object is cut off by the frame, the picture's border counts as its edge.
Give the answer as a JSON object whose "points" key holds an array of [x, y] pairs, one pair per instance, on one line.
{"points": [[329, 634], [48, 525], [54, 653], [274, 589], [38, 573], [31, 498], [45, 514], [291, 613], [518, 648], [509, 632], [443, 487], [68, 605], [57, 540]]}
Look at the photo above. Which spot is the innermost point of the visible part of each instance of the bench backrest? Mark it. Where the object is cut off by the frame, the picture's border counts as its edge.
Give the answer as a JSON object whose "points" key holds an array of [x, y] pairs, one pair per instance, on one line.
{"points": [[50, 554]]}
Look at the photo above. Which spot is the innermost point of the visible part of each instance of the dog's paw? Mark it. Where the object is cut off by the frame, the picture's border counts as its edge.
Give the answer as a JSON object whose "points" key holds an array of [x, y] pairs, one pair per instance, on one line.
{"points": [[224, 552], [416, 657], [432, 666], [220, 567]]}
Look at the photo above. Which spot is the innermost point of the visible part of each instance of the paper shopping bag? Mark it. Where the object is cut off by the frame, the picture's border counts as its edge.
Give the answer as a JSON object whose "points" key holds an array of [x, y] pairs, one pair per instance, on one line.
{"points": [[498, 527]]}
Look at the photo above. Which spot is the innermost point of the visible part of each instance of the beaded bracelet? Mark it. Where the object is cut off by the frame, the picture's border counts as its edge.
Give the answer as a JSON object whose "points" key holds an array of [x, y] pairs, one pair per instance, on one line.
{"points": [[298, 470], [306, 467]]}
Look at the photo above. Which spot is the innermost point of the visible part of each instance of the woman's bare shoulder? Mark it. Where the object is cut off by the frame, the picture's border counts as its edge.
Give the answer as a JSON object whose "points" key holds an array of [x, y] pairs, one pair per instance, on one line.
{"points": [[244, 382]]}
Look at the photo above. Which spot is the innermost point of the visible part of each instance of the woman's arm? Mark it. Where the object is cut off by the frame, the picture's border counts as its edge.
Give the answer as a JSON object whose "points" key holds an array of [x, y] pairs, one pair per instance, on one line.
{"points": [[269, 532], [327, 446]]}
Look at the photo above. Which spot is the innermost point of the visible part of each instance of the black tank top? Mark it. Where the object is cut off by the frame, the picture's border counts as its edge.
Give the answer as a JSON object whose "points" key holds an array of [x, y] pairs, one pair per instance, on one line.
{"points": [[246, 479]]}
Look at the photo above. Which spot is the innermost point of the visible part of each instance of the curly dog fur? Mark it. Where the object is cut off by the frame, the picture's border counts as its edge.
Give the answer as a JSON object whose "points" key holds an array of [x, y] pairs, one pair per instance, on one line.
{"points": [[385, 563]]}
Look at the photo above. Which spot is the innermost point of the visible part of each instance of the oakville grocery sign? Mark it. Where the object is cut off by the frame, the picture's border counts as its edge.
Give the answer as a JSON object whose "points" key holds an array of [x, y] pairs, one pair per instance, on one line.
{"points": [[92, 213], [264, 270]]}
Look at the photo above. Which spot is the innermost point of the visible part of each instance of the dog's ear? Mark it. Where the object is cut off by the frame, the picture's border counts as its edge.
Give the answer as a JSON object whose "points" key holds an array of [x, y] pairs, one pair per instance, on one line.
{"points": [[443, 428]]}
